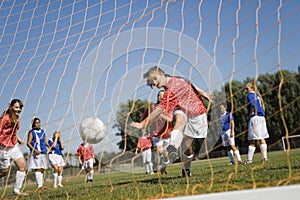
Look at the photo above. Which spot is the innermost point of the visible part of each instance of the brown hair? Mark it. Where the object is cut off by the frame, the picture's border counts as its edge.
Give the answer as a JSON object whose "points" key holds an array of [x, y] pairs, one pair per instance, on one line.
{"points": [[12, 115]]}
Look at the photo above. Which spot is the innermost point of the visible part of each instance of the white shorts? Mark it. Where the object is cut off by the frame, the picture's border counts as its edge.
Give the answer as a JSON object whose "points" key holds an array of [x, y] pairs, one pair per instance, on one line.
{"points": [[88, 164], [257, 128], [8, 154], [161, 142], [226, 139], [38, 161], [147, 155], [196, 127], [56, 159]]}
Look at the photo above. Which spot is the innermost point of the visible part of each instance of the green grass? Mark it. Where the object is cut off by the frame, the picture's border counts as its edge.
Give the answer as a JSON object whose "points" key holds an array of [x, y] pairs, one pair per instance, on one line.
{"points": [[208, 176]]}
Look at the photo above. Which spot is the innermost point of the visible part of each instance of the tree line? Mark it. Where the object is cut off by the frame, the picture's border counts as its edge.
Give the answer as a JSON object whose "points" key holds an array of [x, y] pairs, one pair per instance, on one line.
{"points": [[280, 94]]}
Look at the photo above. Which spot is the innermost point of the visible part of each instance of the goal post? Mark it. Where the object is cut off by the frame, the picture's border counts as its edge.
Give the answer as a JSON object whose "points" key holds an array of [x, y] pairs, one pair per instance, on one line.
{"points": [[290, 142]]}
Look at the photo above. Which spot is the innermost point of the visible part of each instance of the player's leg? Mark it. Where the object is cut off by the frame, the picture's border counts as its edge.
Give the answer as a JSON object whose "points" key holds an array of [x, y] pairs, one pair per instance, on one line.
{"points": [[149, 160], [263, 149], [59, 177], [251, 151], [187, 155], [176, 135], [20, 175]]}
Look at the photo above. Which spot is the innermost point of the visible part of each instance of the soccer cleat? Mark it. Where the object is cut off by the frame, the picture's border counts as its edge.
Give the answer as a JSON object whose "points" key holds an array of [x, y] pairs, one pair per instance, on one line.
{"points": [[248, 162], [186, 172], [163, 172], [172, 153], [240, 162], [265, 160], [19, 193], [60, 185], [230, 163], [89, 180]]}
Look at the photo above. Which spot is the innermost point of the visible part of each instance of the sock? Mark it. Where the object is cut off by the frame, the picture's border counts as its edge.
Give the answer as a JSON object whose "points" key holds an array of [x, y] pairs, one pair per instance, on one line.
{"points": [[237, 154], [55, 176], [39, 179], [263, 148], [59, 179], [20, 176], [147, 168], [150, 167], [91, 174], [176, 138], [251, 151], [230, 155], [187, 161]]}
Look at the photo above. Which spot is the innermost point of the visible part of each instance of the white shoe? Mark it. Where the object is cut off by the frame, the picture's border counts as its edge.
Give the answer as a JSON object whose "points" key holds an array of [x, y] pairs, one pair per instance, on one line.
{"points": [[60, 185], [19, 193]]}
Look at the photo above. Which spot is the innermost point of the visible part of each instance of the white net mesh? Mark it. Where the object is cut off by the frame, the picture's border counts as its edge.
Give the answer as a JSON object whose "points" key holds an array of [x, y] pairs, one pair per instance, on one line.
{"points": [[69, 60]]}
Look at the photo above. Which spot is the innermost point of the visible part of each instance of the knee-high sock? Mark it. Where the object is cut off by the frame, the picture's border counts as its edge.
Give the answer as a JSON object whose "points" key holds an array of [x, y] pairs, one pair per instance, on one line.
{"points": [[55, 176], [251, 150], [237, 154], [59, 180], [176, 138], [20, 176], [91, 173], [263, 148], [230, 155], [39, 179]]}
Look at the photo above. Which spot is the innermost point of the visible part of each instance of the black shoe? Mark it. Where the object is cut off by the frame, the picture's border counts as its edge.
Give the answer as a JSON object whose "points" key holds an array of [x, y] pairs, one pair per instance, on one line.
{"points": [[186, 172], [89, 180]]}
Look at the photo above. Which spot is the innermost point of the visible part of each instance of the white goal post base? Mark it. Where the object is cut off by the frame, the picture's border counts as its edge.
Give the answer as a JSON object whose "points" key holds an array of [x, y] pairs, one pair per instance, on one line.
{"points": [[274, 193]]}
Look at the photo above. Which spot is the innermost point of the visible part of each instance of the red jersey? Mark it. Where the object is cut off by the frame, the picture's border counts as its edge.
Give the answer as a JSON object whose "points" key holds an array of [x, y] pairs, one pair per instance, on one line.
{"points": [[181, 95], [159, 127], [8, 132], [85, 152], [144, 142]]}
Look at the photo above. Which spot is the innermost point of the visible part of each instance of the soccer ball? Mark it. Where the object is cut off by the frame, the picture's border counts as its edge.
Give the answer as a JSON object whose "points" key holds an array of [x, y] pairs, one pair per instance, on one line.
{"points": [[92, 130]]}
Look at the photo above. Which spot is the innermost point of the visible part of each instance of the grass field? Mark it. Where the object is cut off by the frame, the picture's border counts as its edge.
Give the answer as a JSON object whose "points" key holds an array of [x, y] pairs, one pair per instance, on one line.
{"points": [[208, 176]]}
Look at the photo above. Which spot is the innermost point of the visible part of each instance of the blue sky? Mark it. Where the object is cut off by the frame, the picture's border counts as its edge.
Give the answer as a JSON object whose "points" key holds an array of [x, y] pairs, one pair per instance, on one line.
{"points": [[68, 60]]}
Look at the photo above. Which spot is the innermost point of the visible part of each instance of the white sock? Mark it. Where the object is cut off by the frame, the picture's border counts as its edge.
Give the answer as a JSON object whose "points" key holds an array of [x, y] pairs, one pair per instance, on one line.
{"points": [[263, 148], [20, 176], [55, 176], [147, 168], [150, 167], [59, 179], [176, 138], [251, 150], [230, 155], [237, 154], [91, 174], [39, 179]]}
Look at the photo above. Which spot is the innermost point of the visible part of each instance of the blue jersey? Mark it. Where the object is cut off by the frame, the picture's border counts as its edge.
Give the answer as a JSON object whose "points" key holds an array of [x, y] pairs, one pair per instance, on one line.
{"points": [[38, 140], [225, 121], [57, 149], [254, 101]]}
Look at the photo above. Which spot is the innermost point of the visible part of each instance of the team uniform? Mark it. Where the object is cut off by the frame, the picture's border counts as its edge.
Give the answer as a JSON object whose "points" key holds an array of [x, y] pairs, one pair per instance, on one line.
{"points": [[160, 130], [181, 97], [257, 127], [226, 130], [86, 153], [55, 156], [9, 150], [227, 141], [257, 123], [38, 161], [145, 144]]}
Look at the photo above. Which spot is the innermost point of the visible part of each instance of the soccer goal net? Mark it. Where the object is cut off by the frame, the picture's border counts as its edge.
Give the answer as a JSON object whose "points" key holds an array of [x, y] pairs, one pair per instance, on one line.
{"points": [[72, 60]]}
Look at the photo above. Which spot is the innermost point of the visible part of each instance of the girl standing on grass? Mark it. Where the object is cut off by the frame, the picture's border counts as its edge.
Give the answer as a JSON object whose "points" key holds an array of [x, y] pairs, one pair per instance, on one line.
{"points": [[56, 159], [38, 146], [9, 150]]}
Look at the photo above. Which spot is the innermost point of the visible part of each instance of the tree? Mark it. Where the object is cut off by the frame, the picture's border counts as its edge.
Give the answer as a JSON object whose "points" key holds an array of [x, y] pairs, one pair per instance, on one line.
{"points": [[132, 111]]}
